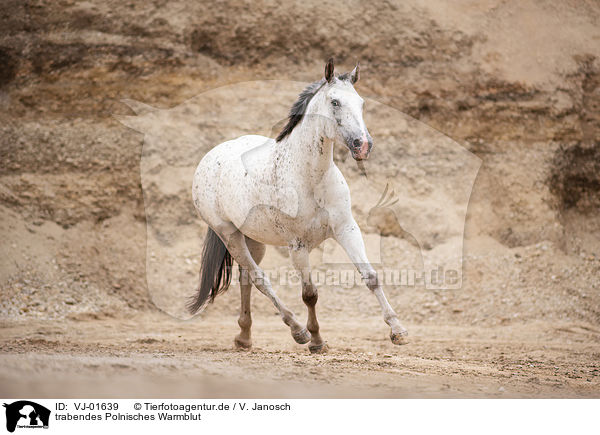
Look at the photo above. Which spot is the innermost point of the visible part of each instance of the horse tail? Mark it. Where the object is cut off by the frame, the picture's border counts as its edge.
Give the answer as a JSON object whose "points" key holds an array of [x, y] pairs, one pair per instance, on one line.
{"points": [[215, 272]]}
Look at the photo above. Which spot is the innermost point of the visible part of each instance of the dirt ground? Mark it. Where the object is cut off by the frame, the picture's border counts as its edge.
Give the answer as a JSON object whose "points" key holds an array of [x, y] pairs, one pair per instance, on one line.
{"points": [[100, 242], [156, 356]]}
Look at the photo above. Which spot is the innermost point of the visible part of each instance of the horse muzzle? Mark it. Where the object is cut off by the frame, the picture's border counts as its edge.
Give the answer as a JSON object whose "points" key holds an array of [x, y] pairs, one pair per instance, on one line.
{"points": [[361, 148]]}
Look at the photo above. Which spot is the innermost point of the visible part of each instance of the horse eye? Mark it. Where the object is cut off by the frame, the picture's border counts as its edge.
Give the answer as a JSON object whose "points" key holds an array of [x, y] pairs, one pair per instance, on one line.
{"points": [[335, 103]]}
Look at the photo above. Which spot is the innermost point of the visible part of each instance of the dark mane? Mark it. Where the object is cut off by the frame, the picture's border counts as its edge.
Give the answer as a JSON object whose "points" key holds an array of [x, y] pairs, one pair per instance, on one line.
{"points": [[299, 107]]}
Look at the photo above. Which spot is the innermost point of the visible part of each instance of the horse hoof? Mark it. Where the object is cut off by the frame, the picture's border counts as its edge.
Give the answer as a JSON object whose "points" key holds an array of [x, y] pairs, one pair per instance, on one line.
{"points": [[318, 348], [242, 344], [399, 338], [302, 336]]}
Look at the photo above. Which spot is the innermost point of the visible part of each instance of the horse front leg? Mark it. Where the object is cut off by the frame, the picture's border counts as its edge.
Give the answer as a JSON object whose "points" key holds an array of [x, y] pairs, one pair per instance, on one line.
{"points": [[350, 238], [299, 257]]}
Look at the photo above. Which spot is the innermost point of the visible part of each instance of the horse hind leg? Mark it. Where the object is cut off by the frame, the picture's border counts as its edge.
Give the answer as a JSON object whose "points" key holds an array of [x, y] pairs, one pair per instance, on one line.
{"points": [[237, 247], [244, 340]]}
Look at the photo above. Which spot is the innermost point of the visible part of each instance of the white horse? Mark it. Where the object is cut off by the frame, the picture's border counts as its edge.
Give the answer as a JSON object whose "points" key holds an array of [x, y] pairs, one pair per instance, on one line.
{"points": [[255, 191]]}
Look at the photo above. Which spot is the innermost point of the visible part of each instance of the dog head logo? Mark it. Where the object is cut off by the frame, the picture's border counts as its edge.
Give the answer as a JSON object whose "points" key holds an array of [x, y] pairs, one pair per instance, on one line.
{"points": [[26, 414]]}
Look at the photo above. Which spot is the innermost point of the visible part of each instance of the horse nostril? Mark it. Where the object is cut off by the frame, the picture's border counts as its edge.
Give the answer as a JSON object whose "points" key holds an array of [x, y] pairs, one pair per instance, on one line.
{"points": [[357, 143]]}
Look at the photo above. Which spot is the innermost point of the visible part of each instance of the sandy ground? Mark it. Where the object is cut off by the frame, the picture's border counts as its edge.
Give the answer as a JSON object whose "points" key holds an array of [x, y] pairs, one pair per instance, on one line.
{"points": [[157, 356], [98, 229]]}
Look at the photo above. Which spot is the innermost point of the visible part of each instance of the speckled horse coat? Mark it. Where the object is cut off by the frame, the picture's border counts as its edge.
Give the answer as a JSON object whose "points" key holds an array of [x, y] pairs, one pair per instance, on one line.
{"points": [[254, 191]]}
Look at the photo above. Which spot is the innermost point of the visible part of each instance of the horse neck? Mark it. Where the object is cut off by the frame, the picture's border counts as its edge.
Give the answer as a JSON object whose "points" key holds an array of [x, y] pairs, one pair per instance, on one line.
{"points": [[310, 150]]}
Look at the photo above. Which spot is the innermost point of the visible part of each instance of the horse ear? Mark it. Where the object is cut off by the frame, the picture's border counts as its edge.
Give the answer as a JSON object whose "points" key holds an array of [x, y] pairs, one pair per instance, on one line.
{"points": [[355, 74], [329, 70]]}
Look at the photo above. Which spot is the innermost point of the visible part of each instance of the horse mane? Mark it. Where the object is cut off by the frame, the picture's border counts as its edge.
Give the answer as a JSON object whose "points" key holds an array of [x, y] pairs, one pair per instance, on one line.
{"points": [[345, 77], [299, 108]]}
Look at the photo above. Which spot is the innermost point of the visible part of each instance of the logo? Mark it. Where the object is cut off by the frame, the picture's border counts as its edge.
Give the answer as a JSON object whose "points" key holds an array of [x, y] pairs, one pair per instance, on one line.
{"points": [[410, 199], [26, 414]]}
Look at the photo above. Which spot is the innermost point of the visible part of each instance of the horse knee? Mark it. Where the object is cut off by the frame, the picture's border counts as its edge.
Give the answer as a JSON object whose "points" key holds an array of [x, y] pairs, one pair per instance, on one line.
{"points": [[371, 280], [309, 294]]}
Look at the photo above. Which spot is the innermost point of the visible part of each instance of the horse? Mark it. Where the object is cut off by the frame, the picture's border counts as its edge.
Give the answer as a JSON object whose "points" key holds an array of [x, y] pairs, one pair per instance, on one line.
{"points": [[255, 191]]}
